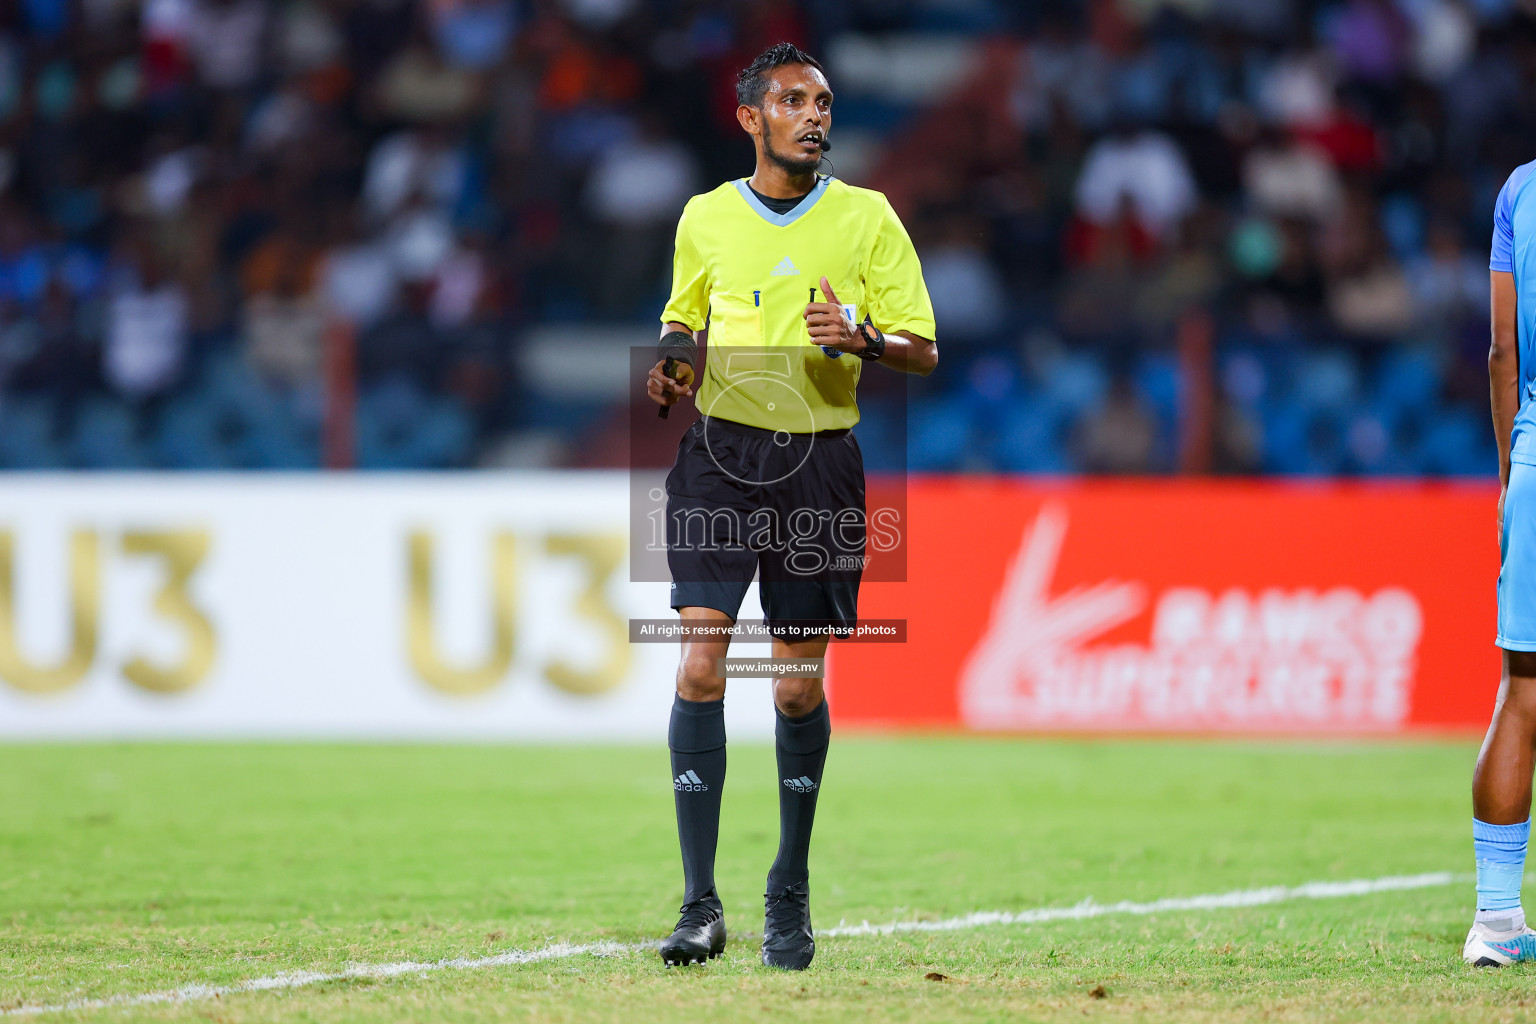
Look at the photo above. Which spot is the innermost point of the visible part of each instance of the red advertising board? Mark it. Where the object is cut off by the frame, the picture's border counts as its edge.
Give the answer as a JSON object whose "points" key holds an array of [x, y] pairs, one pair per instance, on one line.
{"points": [[1166, 606]]}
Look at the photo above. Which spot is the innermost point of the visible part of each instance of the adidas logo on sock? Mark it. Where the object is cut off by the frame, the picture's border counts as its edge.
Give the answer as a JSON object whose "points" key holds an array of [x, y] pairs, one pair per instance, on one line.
{"points": [[785, 269], [801, 785], [689, 782]]}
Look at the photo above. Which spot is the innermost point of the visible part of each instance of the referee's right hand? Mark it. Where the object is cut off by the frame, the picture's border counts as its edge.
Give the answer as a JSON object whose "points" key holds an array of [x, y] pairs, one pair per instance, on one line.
{"points": [[664, 390]]}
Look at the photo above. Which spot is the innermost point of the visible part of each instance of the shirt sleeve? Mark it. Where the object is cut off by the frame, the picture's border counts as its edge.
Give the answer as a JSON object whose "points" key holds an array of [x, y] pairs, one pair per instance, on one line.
{"points": [[1501, 255], [893, 283], [689, 303]]}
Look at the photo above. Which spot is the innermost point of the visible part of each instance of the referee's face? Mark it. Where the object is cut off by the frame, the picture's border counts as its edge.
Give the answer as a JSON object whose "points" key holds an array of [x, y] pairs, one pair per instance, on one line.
{"points": [[796, 117]]}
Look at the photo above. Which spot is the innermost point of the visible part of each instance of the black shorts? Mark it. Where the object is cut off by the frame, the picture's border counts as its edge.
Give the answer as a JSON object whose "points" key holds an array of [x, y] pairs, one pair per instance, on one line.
{"points": [[788, 508]]}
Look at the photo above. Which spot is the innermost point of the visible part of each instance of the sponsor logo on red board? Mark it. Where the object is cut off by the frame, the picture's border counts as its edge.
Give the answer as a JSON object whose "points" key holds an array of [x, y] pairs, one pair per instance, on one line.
{"points": [[1276, 656], [1175, 606]]}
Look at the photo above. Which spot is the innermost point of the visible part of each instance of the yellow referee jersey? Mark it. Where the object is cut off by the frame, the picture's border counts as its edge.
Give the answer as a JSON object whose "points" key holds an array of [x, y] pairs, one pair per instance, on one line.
{"points": [[749, 272]]}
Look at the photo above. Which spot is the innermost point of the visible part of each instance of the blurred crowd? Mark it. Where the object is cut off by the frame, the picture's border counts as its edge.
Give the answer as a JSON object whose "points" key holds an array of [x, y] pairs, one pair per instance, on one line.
{"points": [[1312, 182], [203, 202]]}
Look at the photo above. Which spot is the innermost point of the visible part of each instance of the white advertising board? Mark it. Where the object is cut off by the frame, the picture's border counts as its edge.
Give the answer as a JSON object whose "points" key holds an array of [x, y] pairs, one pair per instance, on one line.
{"points": [[466, 606]]}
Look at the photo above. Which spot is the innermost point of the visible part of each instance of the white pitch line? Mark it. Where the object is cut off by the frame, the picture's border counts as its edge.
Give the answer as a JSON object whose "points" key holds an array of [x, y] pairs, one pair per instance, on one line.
{"points": [[566, 950], [1212, 901], [300, 979]]}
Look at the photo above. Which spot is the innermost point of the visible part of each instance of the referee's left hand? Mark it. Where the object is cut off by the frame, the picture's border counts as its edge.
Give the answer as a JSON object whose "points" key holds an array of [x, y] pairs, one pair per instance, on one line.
{"points": [[829, 327]]}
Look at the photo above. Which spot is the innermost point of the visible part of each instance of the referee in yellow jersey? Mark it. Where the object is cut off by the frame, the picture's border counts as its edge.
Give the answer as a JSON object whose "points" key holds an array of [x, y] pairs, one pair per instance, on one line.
{"points": [[801, 280]]}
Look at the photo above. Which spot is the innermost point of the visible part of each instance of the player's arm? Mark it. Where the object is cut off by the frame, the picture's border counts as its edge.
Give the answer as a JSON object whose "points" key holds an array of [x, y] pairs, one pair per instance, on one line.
{"points": [[900, 350], [1503, 371], [681, 322], [680, 345], [1504, 344], [908, 353]]}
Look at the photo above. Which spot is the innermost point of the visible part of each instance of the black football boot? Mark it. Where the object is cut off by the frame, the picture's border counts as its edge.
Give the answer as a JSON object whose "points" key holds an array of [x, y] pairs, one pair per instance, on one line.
{"points": [[699, 935], [788, 941]]}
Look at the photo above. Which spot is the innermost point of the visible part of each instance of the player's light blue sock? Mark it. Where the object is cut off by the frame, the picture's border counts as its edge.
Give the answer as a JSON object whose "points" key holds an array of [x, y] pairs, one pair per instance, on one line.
{"points": [[1500, 851]]}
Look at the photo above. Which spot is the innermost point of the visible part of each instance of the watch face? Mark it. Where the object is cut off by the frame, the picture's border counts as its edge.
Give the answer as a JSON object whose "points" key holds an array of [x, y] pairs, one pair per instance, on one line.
{"points": [[874, 343]]}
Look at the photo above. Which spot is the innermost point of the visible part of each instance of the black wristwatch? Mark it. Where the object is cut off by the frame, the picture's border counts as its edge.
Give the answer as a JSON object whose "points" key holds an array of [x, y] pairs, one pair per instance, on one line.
{"points": [[874, 341]]}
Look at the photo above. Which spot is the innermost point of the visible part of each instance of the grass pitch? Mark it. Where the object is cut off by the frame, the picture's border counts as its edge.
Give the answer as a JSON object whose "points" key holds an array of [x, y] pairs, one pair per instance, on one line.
{"points": [[137, 868]]}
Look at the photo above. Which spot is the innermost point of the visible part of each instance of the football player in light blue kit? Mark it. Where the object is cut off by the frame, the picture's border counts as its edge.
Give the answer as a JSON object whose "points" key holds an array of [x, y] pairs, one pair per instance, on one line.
{"points": [[1501, 785]]}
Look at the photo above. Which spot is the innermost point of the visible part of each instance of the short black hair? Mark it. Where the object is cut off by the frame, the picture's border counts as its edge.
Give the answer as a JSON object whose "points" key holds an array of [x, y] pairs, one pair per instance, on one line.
{"points": [[752, 83]]}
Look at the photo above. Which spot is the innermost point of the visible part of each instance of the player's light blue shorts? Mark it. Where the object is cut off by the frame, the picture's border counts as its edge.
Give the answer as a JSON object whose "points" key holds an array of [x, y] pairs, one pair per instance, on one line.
{"points": [[1517, 562]]}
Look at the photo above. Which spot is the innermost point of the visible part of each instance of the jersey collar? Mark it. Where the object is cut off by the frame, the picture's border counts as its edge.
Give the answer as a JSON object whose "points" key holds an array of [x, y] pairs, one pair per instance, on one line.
{"points": [[783, 219]]}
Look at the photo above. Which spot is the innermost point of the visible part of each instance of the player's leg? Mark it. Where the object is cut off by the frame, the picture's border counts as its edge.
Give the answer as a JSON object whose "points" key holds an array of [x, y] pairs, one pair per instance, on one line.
{"points": [[802, 729], [815, 595], [696, 739], [1501, 819], [711, 570], [1501, 783]]}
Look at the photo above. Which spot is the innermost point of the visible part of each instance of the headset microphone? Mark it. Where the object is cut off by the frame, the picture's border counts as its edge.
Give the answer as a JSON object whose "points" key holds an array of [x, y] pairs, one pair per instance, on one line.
{"points": [[826, 144]]}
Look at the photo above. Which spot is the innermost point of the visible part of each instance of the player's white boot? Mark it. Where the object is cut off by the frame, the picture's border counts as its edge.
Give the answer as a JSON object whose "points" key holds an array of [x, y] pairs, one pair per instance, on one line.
{"points": [[1487, 946]]}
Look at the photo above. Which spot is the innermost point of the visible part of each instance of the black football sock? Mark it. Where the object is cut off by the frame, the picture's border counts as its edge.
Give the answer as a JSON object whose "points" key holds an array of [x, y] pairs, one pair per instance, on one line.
{"points": [[697, 740], [801, 745]]}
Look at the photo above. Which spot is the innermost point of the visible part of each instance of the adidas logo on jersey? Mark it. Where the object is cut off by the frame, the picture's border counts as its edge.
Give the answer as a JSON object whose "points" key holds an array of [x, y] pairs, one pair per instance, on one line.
{"points": [[801, 785], [785, 268], [689, 782]]}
